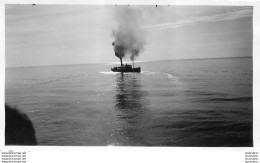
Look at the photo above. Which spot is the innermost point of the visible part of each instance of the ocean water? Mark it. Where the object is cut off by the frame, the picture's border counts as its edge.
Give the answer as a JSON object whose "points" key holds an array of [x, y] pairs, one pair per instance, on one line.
{"points": [[193, 103]]}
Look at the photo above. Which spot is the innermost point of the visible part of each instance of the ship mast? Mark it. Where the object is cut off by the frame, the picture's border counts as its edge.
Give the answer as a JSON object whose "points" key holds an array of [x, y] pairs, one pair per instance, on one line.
{"points": [[121, 62]]}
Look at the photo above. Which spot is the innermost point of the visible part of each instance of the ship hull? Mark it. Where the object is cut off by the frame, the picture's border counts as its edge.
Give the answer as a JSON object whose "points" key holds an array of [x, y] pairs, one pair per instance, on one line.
{"points": [[124, 69]]}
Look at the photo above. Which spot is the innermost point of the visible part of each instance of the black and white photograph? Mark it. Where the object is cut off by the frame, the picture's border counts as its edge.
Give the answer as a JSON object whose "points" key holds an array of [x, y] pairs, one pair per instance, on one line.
{"points": [[129, 75]]}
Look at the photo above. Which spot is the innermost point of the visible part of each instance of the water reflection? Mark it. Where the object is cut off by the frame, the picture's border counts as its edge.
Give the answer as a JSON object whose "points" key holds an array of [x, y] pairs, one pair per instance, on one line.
{"points": [[132, 114]]}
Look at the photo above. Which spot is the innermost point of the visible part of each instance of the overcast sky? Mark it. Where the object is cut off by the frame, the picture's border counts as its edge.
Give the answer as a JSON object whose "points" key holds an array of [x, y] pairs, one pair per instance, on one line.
{"points": [[38, 35]]}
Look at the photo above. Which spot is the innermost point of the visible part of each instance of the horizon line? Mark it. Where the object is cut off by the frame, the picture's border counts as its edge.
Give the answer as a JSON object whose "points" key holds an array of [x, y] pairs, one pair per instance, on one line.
{"points": [[128, 61]]}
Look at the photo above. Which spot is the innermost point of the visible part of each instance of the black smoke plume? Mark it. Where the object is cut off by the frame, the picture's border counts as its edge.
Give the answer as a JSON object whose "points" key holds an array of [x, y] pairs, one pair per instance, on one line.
{"points": [[129, 36]]}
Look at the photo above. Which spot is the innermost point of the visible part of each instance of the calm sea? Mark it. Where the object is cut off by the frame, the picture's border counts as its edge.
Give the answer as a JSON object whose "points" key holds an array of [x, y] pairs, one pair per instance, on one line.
{"points": [[199, 103]]}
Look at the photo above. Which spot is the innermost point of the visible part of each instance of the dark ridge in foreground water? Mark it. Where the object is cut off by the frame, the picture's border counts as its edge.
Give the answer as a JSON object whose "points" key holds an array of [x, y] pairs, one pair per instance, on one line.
{"points": [[19, 129], [239, 99]]}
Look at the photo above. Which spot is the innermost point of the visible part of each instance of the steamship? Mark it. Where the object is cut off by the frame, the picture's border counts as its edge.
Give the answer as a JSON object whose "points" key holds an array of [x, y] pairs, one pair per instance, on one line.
{"points": [[125, 68]]}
